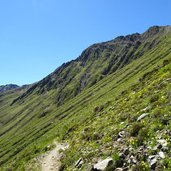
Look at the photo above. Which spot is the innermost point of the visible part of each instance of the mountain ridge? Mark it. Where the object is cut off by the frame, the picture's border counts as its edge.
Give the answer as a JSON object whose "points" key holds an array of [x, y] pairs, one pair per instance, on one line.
{"points": [[72, 77], [7, 87]]}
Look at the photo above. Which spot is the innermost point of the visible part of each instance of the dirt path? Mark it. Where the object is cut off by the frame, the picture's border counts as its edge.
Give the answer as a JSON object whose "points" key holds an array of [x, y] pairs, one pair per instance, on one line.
{"points": [[51, 160]]}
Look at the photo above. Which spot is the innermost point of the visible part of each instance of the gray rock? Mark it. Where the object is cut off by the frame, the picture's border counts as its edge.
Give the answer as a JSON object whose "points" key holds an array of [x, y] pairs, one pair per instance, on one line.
{"points": [[142, 116], [153, 161], [145, 109], [162, 142], [118, 169], [161, 155], [133, 159], [119, 139], [121, 134], [104, 164]]}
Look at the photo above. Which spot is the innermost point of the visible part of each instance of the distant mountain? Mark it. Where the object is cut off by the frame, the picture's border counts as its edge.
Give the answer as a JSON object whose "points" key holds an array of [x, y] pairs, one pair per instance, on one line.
{"points": [[8, 87]]}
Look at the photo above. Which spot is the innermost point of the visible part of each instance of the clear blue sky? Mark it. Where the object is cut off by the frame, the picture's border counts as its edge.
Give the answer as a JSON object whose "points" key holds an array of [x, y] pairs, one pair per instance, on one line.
{"points": [[37, 36]]}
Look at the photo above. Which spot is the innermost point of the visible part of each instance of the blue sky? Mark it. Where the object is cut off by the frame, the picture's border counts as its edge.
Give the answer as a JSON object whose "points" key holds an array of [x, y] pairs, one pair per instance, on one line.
{"points": [[37, 36]]}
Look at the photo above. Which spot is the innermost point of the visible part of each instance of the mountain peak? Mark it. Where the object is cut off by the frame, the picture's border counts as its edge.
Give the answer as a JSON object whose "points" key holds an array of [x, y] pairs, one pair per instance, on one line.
{"points": [[8, 87], [154, 30]]}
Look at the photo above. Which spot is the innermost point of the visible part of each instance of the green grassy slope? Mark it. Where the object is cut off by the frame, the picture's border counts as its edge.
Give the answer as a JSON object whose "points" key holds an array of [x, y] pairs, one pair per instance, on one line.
{"points": [[36, 118], [98, 137]]}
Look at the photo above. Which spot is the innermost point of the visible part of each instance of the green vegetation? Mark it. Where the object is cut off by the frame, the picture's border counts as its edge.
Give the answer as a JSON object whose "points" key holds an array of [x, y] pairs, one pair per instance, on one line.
{"points": [[98, 137], [89, 101]]}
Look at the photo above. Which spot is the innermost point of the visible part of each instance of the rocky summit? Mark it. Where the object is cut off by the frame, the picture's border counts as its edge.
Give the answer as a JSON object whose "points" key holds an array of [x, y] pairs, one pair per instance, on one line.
{"points": [[8, 87]]}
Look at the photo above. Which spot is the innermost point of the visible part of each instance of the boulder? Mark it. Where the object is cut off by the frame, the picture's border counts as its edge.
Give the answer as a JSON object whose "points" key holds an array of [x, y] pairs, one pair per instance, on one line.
{"points": [[103, 164]]}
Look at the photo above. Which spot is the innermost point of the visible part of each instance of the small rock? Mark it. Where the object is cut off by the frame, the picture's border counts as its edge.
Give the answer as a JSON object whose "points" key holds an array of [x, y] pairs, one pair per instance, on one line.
{"points": [[119, 139], [153, 161], [104, 164], [79, 163], [118, 169], [161, 155], [162, 142], [142, 116], [129, 161], [121, 134], [133, 159], [145, 109], [158, 146], [168, 79]]}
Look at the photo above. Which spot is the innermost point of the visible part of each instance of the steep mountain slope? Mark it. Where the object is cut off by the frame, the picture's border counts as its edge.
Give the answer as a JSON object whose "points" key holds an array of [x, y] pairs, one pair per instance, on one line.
{"points": [[134, 129], [96, 62], [66, 99], [8, 87]]}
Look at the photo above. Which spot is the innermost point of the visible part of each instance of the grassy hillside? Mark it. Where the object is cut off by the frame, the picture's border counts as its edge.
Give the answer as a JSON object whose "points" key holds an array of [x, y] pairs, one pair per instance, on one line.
{"points": [[115, 130], [50, 110]]}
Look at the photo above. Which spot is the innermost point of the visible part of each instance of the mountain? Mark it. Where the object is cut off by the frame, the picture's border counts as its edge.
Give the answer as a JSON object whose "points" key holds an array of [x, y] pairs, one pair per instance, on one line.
{"points": [[96, 62], [112, 101], [8, 87]]}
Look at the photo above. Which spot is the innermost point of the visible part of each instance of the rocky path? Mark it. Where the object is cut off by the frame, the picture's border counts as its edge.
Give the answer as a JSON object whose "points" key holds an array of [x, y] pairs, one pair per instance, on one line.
{"points": [[51, 160]]}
